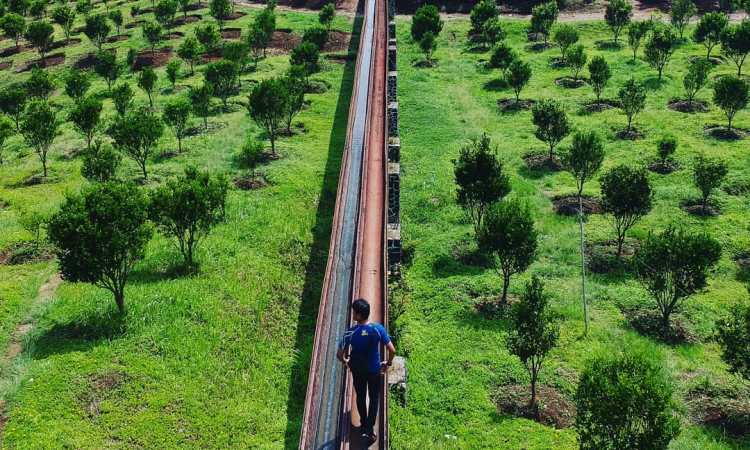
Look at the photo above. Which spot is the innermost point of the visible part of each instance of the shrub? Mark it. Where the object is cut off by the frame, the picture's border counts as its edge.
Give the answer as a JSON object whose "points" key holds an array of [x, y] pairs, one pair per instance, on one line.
{"points": [[219, 10], [173, 71], [200, 98], [39, 84], [100, 162], [660, 47], [481, 13], [307, 56], [317, 36], [136, 134], [502, 57], [326, 15], [165, 11], [116, 17], [543, 16], [106, 66], [519, 74], [7, 129], [13, 101], [39, 128], [152, 32], [97, 29], [617, 15], [176, 115], [427, 44], [266, 106], [632, 99], [733, 335], [122, 97], [695, 78], [426, 18], [492, 33], [709, 29], [599, 75], [77, 83], [251, 154], [708, 174], [86, 116], [208, 36], [262, 29], [584, 158], [13, 25], [221, 75], [627, 196], [636, 32], [40, 35], [564, 36], [665, 148], [189, 51], [294, 87], [730, 94], [577, 59], [735, 41], [552, 125], [681, 13], [147, 81]]}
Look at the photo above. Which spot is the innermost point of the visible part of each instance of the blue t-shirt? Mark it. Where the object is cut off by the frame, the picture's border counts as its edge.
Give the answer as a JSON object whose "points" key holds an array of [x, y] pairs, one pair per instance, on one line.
{"points": [[365, 343]]}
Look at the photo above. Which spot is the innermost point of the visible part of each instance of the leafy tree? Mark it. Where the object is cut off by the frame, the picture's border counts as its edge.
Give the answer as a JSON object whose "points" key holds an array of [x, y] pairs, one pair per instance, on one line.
{"points": [[708, 174], [13, 102], [39, 84], [294, 87], [306, 55], [326, 15], [122, 96], [7, 129], [518, 76], [564, 36], [428, 44], [173, 71], [20, 7], [40, 35], [13, 25], [534, 332], [735, 41], [266, 105], [695, 78], [508, 234], [257, 41], [116, 17], [106, 66], [263, 27], [681, 13], [733, 335], [502, 57], [84, 7], [64, 16], [38, 9], [251, 154], [480, 179], [636, 32], [86, 117], [100, 235], [316, 35], [136, 134], [492, 33], [220, 10], [599, 75], [153, 33], [709, 29], [147, 81], [730, 94], [625, 402], [665, 148], [482, 12], [220, 75], [189, 51], [165, 12], [188, 207], [208, 36], [617, 15], [100, 162], [584, 159], [577, 59], [200, 98], [632, 100], [39, 128], [97, 29], [543, 16], [674, 265], [552, 125], [627, 196], [184, 7], [660, 47], [176, 115], [77, 84], [426, 18], [238, 53]]}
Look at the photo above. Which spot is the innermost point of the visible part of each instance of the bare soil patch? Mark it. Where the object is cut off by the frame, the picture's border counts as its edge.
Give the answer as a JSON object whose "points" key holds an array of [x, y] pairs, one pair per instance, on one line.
{"points": [[556, 62], [10, 51], [235, 15], [284, 40], [187, 19], [569, 82], [602, 105], [538, 46], [554, 409], [118, 38], [49, 61], [723, 406], [98, 390], [511, 105], [629, 135], [211, 56], [250, 182], [174, 35], [695, 208], [62, 43], [337, 41], [649, 323], [684, 106], [542, 162], [340, 58], [135, 24], [664, 168], [147, 58], [601, 257], [722, 133], [567, 205], [5, 65], [24, 252], [231, 33]]}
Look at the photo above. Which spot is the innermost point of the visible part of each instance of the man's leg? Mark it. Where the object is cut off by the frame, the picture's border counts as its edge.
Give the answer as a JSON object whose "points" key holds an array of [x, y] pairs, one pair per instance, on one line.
{"points": [[373, 388], [360, 388]]}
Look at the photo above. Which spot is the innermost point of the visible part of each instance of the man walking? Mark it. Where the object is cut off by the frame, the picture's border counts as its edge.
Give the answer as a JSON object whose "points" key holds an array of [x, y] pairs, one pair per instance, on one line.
{"points": [[363, 340]]}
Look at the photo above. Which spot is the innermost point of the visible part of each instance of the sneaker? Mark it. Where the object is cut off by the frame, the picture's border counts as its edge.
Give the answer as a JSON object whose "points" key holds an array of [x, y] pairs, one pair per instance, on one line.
{"points": [[371, 438]]}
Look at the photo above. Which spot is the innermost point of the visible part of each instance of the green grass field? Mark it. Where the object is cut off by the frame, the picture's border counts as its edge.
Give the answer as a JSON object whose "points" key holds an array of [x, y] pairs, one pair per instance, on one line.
{"points": [[217, 359], [457, 358]]}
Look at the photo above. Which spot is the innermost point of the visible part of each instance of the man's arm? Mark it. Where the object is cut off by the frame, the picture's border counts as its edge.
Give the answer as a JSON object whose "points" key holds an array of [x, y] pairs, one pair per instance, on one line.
{"points": [[391, 352]]}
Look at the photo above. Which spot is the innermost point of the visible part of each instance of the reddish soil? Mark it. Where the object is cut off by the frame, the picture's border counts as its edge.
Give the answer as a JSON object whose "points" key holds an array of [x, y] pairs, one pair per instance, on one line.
{"points": [[189, 19], [88, 60], [49, 61], [174, 35], [567, 205], [337, 41], [212, 56], [554, 409], [135, 23], [148, 58], [9, 51], [118, 38], [284, 40], [61, 43], [231, 33], [5, 65]]}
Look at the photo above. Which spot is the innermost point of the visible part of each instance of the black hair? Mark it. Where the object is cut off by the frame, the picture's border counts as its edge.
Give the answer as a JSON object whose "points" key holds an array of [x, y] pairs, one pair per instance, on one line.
{"points": [[361, 307]]}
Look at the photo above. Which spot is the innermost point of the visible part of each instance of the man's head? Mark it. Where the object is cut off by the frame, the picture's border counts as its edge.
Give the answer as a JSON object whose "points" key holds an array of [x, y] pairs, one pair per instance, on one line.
{"points": [[361, 310]]}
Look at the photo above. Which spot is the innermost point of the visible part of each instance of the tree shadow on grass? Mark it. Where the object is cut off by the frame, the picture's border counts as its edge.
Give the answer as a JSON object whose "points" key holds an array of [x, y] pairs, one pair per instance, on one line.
{"points": [[316, 265], [654, 83], [498, 84], [79, 335], [173, 271], [447, 266]]}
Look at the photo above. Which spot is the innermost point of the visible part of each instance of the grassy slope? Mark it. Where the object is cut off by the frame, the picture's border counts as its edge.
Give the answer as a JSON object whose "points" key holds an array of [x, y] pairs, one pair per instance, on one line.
{"points": [[457, 358], [211, 360]]}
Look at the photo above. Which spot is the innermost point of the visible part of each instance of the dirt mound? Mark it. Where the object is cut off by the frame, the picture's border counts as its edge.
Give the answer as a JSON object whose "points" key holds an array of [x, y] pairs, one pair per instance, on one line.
{"points": [[542, 162], [601, 257], [554, 409], [24, 252], [118, 38], [231, 33], [284, 40], [213, 55], [649, 323], [567, 205], [688, 107], [569, 82], [147, 58], [664, 168], [10, 51], [99, 390], [235, 15], [722, 133], [337, 41], [629, 135], [49, 61], [187, 19], [695, 208], [250, 182], [511, 105], [602, 105], [5, 65]]}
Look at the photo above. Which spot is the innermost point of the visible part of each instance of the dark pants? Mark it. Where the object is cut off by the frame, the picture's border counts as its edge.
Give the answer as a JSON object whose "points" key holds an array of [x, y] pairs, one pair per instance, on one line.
{"points": [[364, 384]]}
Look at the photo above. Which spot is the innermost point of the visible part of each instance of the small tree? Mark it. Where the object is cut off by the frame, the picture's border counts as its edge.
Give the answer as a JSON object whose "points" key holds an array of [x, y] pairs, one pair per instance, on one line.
{"points": [[200, 98], [13, 25], [326, 15], [106, 66], [502, 57], [220, 10], [7, 129], [295, 92], [238, 53], [625, 402], [64, 16], [636, 32], [543, 16], [100, 235], [519, 74], [577, 59], [480, 179], [20, 7], [153, 33], [13, 101], [482, 12], [551, 122], [189, 51], [77, 84], [317, 35], [733, 335], [116, 17], [564, 36], [251, 154], [674, 265], [426, 18], [173, 71], [266, 106], [508, 235], [208, 36], [708, 174], [122, 97], [187, 207], [39, 84], [147, 81], [660, 47], [39, 128], [735, 41], [665, 148], [84, 7], [584, 159], [617, 15], [97, 29], [176, 115], [165, 12], [257, 41], [40, 35], [136, 134], [599, 75], [492, 33], [220, 75], [695, 78], [307, 56], [534, 332], [428, 44], [100, 163], [632, 100], [681, 13], [730, 94], [38, 9], [86, 117], [627, 196], [709, 29], [265, 25]]}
